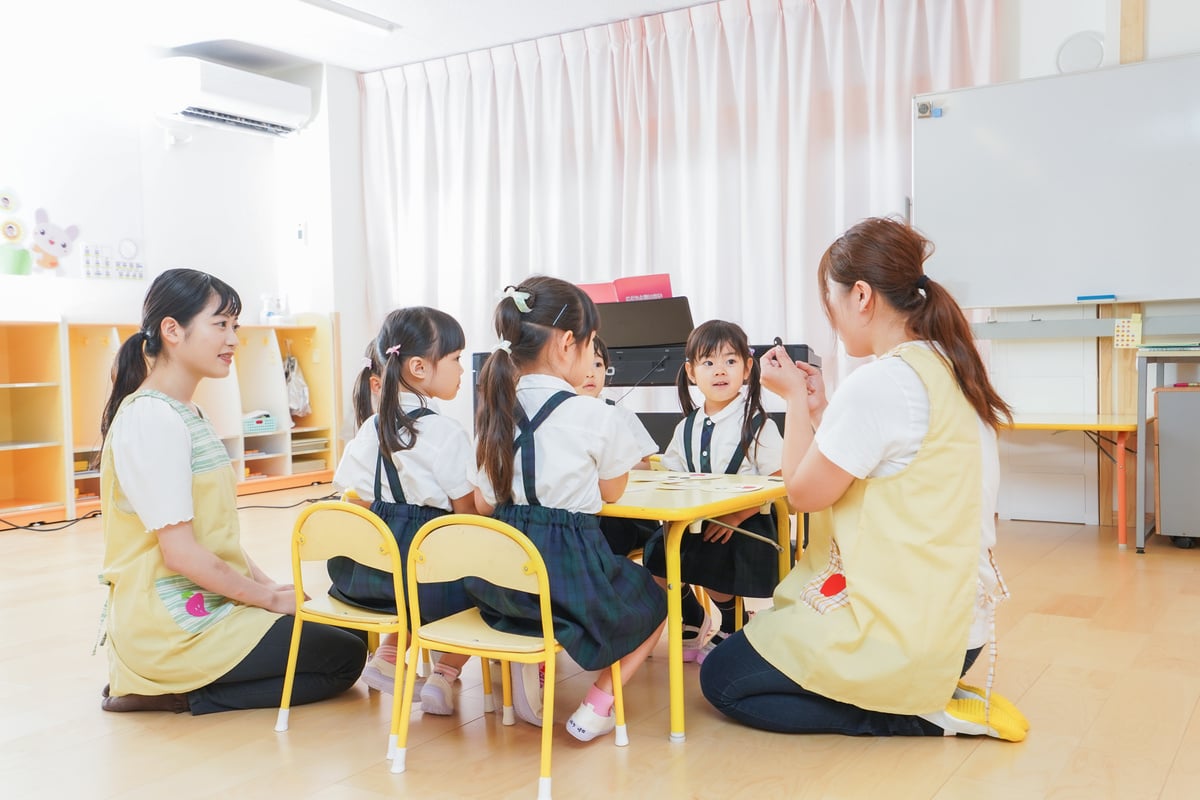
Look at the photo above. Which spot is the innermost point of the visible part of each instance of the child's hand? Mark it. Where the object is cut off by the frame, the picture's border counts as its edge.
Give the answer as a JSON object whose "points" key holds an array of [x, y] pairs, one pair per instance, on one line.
{"points": [[714, 531]]}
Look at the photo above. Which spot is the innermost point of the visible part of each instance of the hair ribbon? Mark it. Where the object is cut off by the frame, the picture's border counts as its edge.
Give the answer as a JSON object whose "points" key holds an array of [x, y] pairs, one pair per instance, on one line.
{"points": [[391, 351], [520, 299]]}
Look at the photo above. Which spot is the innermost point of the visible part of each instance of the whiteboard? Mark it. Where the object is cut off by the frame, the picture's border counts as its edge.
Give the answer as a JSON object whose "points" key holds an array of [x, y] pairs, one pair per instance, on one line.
{"points": [[1040, 191]]}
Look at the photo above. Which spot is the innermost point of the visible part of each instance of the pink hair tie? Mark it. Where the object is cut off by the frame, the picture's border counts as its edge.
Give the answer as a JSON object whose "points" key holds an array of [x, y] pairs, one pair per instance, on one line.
{"points": [[368, 363], [391, 351]]}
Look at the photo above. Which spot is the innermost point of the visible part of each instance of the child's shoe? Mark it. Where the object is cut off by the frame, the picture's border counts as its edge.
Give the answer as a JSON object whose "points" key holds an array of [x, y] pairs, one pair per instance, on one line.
{"points": [[585, 724], [969, 717], [380, 673], [437, 695], [693, 638], [708, 647], [527, 683], [999, 701]]}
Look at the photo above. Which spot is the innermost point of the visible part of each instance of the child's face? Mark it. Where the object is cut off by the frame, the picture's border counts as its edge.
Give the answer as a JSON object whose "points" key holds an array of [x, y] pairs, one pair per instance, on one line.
{"points": [[719, 376], [444, 378], [593, 381]]}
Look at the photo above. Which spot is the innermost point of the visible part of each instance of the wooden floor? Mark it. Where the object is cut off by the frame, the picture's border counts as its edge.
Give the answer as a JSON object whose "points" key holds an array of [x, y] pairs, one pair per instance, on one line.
{"points": [[1100, 648]]}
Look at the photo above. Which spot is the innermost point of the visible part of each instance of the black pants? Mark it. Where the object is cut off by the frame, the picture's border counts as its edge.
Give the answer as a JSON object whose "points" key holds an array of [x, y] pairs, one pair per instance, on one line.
{"points": [[743, 685], [329, 662]]}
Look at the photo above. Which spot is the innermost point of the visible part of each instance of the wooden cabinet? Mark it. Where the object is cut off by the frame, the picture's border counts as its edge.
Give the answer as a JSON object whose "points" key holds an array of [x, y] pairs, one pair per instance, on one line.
{"points": [[32, 436], [55, 379]]}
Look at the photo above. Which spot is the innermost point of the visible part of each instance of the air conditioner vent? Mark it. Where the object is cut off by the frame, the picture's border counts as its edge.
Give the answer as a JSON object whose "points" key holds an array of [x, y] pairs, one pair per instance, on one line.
{"points": [[208, 115]]}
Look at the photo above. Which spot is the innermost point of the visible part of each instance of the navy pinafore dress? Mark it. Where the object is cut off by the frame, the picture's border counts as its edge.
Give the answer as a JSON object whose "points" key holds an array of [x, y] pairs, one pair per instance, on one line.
{"points": [[371, 588], [604, 606], [742, 566]]}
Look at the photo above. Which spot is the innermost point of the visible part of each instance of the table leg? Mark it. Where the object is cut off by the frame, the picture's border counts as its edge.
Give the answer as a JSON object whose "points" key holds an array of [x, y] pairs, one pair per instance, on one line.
{"points": [[674, 538], [1122, 533], [1139, 517]]}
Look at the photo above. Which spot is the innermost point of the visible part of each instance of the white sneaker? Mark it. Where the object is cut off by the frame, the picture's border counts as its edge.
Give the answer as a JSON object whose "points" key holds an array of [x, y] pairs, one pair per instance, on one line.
{"points": [[585, 724], [437, 695], [527, 680], [380, 674]]}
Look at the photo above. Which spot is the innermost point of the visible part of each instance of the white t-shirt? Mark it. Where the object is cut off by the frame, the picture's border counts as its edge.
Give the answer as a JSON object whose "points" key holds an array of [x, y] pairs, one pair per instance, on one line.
{"points": [[434, 472], [646, 442], [873, 427], [766, 451], [582, 442], [152, 457]]}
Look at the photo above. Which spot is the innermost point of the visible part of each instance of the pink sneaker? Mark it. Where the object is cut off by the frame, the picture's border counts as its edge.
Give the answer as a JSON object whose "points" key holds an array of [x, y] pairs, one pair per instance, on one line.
{"points": [[693, 644]]}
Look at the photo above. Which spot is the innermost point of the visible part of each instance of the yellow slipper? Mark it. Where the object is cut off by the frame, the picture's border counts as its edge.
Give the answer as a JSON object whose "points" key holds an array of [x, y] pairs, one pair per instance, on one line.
{"points": [[999, 701], [969, 717]]}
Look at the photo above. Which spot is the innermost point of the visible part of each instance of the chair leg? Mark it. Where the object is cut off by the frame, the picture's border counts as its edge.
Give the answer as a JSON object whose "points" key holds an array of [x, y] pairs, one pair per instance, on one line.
{"points": [[402, 714], [547, 727], [372, 641], [738, 611], [622, 735], [489, 699], [507, 716], [289, 678], [425, 666]]}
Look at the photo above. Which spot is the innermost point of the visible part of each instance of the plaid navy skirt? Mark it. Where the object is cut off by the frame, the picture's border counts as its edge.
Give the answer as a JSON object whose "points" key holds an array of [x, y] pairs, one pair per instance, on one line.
{"points": [[604, 606], [371, 588], [741, 566]]}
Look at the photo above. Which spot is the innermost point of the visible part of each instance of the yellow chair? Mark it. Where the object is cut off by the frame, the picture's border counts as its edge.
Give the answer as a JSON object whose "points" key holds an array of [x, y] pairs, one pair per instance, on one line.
{"points": [[425, 667], [457, 546], [335, 528]]}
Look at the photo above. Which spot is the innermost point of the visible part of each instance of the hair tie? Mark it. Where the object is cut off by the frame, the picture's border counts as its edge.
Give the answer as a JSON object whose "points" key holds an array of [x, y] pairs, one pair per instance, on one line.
{"points": [[519, 298], [921, 281], [391, 351], [146, 335], [503, 344], [367, 363]]}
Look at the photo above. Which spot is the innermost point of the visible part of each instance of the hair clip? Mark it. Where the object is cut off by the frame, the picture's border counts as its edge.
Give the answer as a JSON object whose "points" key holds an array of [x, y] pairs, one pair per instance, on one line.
{"points": [[519, 298], [367, 363], [503, 344], [391, 351], [558, 316]]}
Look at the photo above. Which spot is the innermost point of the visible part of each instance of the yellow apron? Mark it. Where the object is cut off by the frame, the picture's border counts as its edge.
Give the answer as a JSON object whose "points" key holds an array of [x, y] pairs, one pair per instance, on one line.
{"points": [[165, 634], [878, 611]]}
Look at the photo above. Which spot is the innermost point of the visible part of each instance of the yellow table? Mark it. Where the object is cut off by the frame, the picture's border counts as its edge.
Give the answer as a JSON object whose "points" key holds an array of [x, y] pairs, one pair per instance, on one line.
{"points": [[1093, 424], [681, 501]]}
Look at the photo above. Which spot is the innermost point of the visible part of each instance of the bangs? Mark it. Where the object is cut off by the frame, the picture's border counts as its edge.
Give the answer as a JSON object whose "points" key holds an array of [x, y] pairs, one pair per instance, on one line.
{"points": [[230, 302]]}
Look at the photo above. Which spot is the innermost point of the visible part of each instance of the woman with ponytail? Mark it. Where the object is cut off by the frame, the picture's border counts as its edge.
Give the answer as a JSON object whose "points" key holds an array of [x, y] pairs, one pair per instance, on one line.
{"points": [[193, 624], [894, 599]]}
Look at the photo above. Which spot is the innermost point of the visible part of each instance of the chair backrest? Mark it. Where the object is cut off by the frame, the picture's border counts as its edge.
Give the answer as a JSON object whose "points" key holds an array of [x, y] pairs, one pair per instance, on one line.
{"points": [[336, 528], [458, 546]]}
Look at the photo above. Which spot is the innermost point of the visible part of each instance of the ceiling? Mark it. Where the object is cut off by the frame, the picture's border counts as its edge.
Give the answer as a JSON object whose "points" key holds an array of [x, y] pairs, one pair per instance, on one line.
{"points": [[271, 34]]}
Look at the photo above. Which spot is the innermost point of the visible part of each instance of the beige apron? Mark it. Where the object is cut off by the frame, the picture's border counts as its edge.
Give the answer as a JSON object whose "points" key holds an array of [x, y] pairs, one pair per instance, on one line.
{"points": [[166, 634], [878, 611]]}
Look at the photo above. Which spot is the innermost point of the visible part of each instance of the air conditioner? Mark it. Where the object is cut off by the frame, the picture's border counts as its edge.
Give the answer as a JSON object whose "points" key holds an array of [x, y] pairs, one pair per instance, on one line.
{"points": [[206, 93]]}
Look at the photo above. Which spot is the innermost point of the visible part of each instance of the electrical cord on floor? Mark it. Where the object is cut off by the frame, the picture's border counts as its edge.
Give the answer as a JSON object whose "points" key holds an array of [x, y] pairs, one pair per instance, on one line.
{"points": [[58, 525], [47, 527]]}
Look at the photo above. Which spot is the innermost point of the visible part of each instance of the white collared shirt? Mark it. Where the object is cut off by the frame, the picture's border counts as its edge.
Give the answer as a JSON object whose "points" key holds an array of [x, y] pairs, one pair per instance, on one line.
{"points": [[582, 442], [433, 472], [765, 456]]}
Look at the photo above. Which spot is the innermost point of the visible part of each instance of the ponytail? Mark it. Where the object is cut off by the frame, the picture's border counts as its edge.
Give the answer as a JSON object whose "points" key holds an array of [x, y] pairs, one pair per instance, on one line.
{"points": [[362, 396], [889, 256]]}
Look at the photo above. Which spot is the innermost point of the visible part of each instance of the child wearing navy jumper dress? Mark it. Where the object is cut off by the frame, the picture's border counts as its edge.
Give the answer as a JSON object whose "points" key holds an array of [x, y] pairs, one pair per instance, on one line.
{"points": [[410, 464], [730, 433], [548, 459]]}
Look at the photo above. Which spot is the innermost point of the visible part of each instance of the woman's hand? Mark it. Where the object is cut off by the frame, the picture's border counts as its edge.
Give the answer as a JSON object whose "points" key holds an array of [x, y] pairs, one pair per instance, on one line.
{"points": [[792, 380], [283, 600]]}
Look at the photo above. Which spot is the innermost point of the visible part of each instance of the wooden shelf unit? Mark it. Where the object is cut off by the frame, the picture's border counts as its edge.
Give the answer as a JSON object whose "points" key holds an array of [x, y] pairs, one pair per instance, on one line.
{"points": [[56, 377], [33, 482]]}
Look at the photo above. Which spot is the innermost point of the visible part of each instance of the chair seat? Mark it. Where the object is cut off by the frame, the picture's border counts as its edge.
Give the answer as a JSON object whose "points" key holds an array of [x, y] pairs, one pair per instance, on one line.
{"points": [[337, 612], [467, 629]]}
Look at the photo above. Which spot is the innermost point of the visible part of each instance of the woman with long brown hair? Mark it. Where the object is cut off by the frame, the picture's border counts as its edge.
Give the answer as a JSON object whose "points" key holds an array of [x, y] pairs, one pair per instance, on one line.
{"points": [[894, 598]]}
